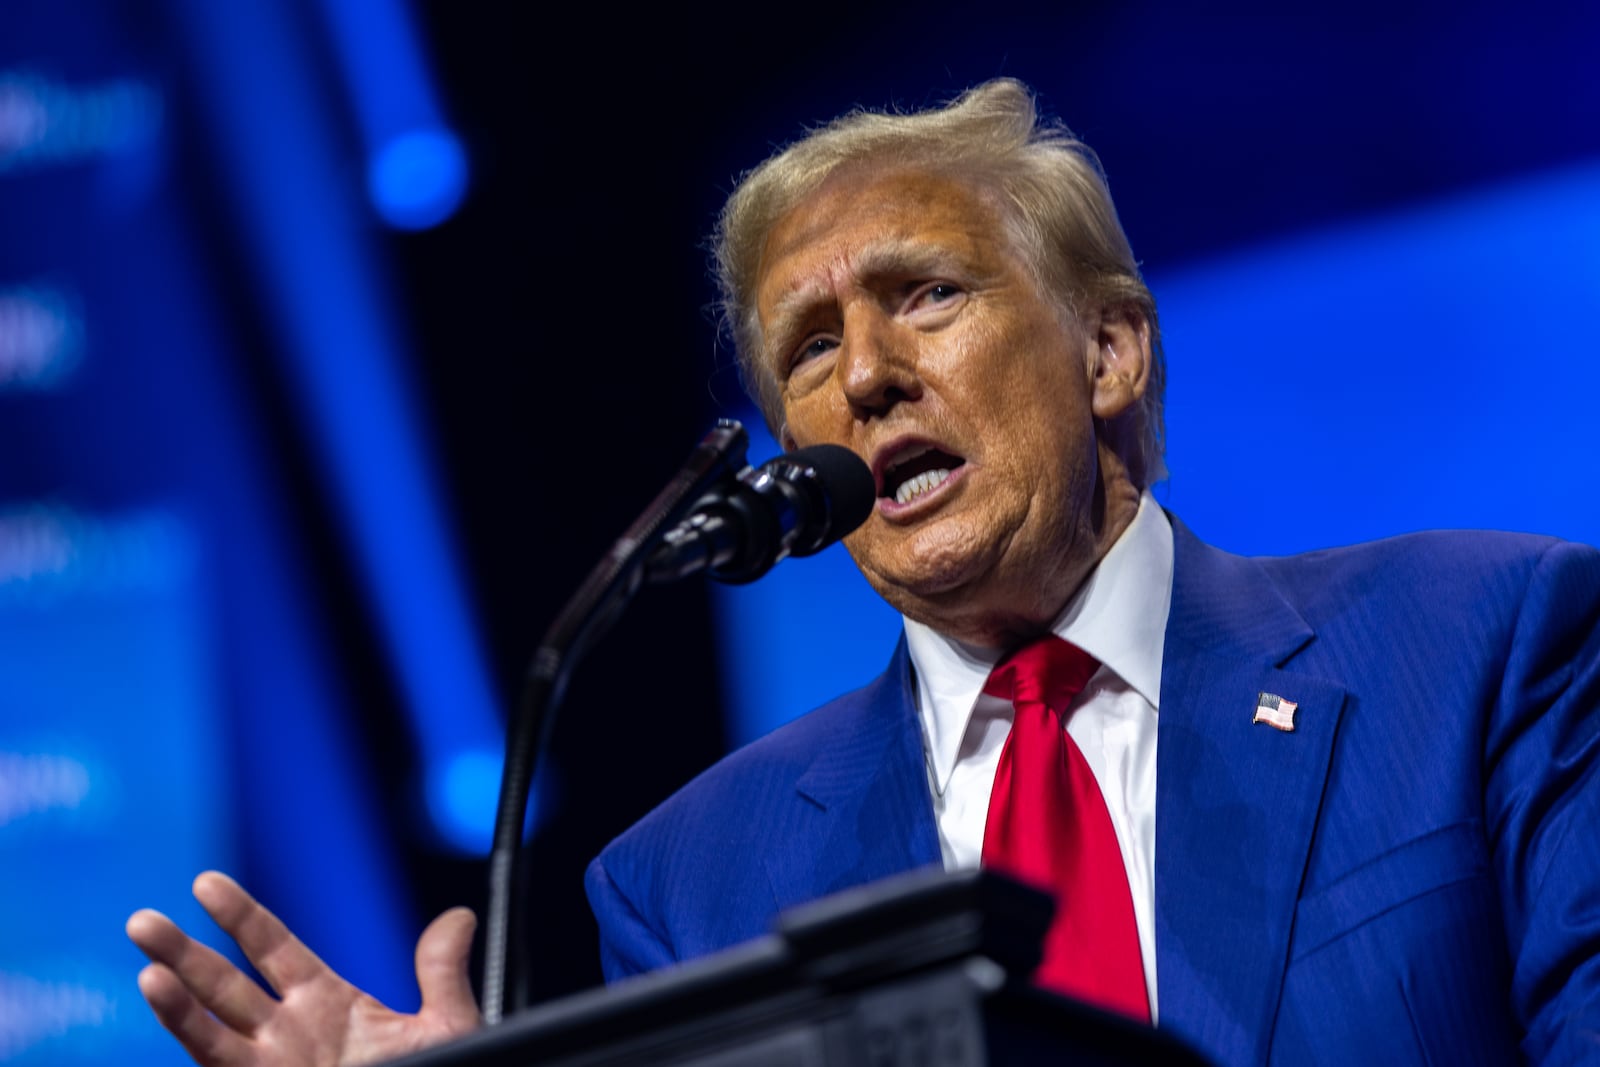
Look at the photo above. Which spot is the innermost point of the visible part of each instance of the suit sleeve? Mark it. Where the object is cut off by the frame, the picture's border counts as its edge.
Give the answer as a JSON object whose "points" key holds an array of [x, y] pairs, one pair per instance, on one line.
{"points": [[1542, 804], [628, 944]]}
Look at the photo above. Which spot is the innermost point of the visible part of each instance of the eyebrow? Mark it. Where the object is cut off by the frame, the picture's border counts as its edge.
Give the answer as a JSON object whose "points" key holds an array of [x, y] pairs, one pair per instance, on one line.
{"points": [[890, 257], [907, 255]]}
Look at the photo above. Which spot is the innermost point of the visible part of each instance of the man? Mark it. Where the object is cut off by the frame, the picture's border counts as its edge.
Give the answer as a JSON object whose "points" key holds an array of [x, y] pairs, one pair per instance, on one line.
{"points": [[1352, 793]]}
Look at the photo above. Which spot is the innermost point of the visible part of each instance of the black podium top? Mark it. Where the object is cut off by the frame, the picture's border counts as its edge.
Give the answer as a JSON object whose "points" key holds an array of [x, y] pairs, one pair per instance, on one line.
{"points": [[928, 969]]}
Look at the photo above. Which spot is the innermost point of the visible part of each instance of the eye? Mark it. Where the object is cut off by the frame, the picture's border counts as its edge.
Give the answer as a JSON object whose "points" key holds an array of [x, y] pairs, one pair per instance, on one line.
{"points": [[936, 295], [813, 347]]}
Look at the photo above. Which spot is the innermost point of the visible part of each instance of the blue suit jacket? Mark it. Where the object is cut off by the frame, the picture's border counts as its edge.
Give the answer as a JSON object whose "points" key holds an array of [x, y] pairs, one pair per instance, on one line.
{"points": [[1410, 876]]}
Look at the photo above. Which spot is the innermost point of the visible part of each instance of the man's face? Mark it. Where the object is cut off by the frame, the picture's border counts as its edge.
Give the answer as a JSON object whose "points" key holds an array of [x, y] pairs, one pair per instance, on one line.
{"points": [[900, 322]]}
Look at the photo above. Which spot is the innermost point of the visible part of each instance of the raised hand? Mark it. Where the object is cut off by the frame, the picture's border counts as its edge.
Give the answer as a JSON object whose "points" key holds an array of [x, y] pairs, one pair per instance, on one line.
{"points": [[317, 1019]]}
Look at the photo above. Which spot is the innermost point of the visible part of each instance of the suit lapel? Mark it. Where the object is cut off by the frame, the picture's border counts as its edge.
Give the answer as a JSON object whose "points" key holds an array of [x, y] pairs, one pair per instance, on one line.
{"points": [[867, 793], [1236, 802], [1235, 811]]}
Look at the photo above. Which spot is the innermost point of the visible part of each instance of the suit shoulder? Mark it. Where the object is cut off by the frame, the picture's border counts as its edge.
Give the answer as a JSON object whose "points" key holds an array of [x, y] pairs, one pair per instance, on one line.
{"points": [[1441, 569], [1435, 548]]}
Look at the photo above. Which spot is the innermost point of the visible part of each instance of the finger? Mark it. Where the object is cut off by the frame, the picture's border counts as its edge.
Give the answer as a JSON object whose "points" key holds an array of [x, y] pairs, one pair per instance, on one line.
{"points": [[221, 987], [207, 1041], [280, 956], [443, 952]]}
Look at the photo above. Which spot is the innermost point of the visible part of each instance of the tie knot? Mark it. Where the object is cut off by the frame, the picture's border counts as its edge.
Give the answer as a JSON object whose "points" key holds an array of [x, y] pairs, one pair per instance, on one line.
{"points": [[1048, 671]]}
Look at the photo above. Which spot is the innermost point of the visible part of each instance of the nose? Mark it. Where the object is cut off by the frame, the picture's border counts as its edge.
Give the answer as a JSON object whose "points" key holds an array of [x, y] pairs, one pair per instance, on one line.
{"points": [[877, 367]]}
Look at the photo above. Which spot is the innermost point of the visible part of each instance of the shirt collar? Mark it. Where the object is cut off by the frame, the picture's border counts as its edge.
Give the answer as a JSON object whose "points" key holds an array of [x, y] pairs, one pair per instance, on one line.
{"points": [[1118, 615]]}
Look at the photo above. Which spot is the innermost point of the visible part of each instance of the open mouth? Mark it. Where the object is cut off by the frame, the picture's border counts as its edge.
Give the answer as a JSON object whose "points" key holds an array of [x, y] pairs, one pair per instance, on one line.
{"points": [[916, 473]]}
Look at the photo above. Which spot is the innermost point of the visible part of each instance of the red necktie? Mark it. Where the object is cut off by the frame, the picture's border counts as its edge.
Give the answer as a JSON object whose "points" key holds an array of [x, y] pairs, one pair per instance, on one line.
{"points": [[1048, 826]]}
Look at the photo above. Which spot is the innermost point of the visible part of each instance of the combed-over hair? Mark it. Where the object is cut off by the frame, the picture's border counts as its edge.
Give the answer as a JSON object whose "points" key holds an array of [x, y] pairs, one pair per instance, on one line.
{"points": [[1048, 183]]}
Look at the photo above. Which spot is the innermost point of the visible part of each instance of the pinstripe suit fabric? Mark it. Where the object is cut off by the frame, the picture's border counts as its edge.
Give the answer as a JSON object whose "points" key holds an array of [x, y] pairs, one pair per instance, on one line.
{"points": [[1410, 876]]}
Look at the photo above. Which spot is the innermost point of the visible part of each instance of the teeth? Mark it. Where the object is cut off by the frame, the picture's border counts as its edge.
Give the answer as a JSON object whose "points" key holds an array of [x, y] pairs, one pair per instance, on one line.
{"points": [[919, 485]]}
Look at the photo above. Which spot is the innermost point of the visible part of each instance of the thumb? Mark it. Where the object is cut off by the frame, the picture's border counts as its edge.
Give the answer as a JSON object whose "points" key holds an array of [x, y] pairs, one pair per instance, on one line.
{"points": [[442, 954]]}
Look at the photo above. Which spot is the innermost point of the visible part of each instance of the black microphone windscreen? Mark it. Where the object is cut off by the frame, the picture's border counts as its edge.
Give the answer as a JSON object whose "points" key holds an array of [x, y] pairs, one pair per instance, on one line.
{"points": [[848, 483]]}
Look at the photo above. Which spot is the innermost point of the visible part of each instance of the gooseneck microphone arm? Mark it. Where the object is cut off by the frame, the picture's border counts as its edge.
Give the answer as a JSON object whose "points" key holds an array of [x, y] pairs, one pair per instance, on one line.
{"points": [[716, 515], [597, 604]]}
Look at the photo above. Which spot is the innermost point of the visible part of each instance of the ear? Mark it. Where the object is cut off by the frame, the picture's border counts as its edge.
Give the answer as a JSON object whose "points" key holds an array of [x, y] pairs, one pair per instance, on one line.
{"points": [[785, 438], [1121, 352]]}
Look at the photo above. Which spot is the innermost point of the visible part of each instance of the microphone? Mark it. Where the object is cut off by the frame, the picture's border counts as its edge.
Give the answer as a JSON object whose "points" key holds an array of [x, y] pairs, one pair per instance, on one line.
{"points": [[794, 505]]}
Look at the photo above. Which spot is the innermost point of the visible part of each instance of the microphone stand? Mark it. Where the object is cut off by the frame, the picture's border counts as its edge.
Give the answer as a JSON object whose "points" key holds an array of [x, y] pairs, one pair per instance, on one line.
{"points": [[597, 605]]}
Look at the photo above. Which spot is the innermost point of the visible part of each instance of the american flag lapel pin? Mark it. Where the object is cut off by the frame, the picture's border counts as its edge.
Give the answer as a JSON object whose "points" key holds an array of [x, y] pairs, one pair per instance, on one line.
{"points": [[1275, 711]]}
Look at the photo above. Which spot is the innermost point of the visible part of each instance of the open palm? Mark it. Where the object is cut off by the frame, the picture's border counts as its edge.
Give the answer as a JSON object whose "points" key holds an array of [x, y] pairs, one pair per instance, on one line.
{"points": [[225, 1019]]}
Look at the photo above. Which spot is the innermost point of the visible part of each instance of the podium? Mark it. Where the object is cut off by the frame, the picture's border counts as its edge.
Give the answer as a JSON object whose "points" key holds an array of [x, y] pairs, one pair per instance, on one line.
{"points": [[925, 970]]}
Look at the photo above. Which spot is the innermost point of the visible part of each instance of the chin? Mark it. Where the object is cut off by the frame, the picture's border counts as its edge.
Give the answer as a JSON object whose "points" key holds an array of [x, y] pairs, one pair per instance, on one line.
{"points": [[934, 575]]}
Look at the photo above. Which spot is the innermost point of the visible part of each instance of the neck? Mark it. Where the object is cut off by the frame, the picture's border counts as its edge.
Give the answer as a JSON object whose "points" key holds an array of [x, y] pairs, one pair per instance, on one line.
{"points": [[1019, 608]]}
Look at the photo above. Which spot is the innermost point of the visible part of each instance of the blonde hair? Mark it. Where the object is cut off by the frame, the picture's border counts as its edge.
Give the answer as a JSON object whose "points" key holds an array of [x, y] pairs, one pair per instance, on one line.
{"points": [[1050, 188]]}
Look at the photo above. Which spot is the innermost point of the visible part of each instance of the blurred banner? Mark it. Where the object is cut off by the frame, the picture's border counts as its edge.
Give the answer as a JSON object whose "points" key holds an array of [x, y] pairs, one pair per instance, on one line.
{"points": [[168, 696]]}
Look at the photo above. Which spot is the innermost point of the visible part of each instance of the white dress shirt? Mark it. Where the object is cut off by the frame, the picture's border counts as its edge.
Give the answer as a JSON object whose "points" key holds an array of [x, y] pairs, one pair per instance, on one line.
{"points": [[1119, 616]]}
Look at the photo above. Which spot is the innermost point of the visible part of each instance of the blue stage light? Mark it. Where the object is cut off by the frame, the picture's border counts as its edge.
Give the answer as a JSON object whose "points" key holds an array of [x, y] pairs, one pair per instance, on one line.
{"points": [[344, 359], [418, 179], [462, 792]]}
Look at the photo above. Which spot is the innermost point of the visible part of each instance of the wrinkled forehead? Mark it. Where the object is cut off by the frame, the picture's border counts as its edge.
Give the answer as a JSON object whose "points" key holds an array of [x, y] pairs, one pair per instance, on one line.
{"points": [[859, 225]]}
